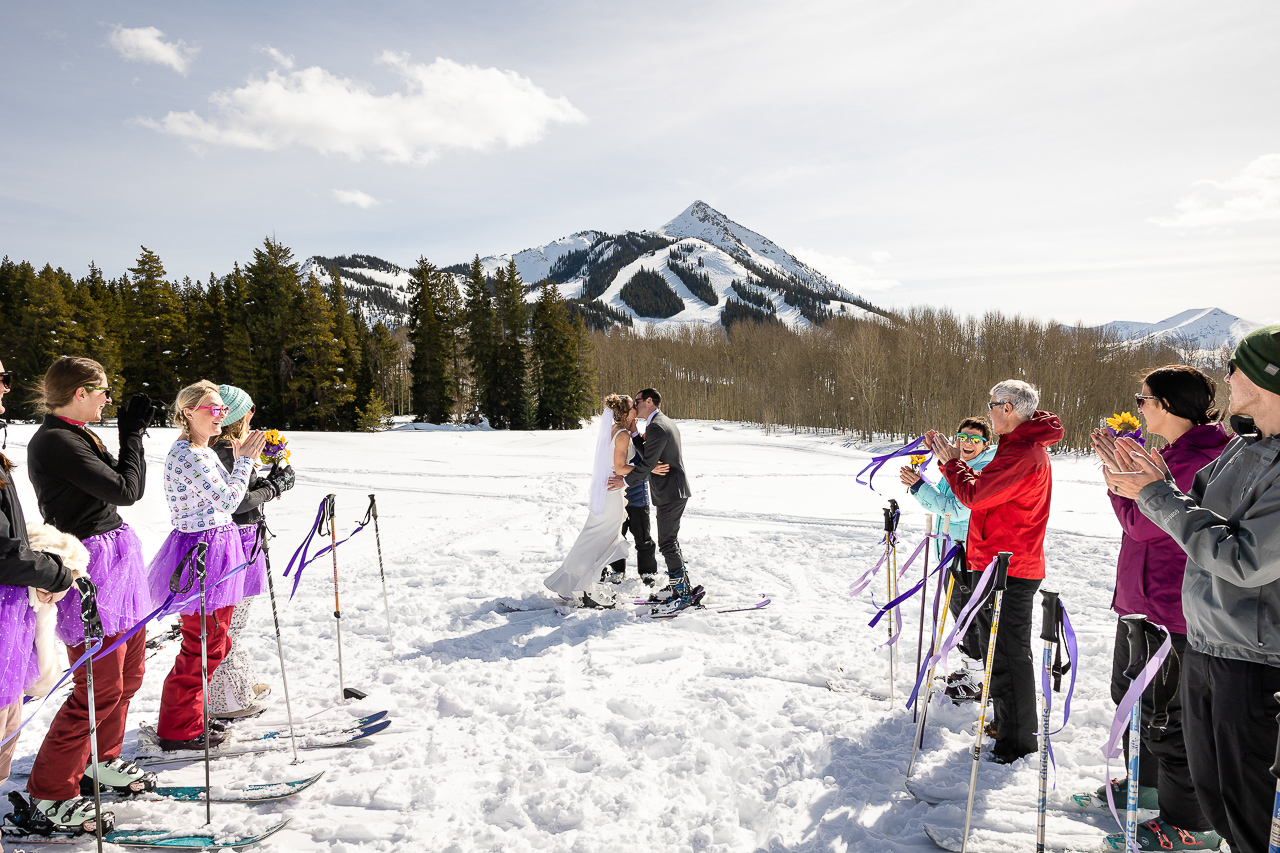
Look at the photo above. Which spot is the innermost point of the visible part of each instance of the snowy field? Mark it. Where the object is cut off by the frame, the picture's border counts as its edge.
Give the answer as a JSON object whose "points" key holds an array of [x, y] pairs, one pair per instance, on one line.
{"points": [[604, 731]]}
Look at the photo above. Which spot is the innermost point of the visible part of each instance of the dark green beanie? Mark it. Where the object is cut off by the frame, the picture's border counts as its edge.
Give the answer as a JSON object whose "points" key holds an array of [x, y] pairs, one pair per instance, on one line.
{"points": [[1258, 355]]}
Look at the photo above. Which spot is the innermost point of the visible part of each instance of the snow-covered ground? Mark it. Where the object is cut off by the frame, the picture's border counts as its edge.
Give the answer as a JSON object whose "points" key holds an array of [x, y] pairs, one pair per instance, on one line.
{"points": [[603, 731]]}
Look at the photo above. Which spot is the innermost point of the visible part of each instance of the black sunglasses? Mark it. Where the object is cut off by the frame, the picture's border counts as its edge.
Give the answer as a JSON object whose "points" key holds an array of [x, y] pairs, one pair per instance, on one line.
{"points": [[1231, 368], [6, 379]]}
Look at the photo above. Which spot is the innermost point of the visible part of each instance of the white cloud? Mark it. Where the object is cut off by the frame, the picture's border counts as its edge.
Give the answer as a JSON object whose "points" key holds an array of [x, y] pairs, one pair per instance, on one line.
{"points": [[845, 271], [444, 105], [282, 59], [360, 199], [879, 257], [1251, 196], [147, 44]]}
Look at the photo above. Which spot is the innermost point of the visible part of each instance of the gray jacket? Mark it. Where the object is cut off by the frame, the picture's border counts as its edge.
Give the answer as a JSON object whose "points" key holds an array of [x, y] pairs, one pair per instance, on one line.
{"points": [[1229, 525]]}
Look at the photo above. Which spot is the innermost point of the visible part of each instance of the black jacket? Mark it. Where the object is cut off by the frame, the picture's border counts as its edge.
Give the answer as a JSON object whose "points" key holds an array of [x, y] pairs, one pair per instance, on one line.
{"points": [[78, 482], [258, 493], [19, 565], [662, 444]]}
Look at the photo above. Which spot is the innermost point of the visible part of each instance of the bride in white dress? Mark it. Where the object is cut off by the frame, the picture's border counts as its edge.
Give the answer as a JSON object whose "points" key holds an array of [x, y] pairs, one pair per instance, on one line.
{"points": [[600, 542]]}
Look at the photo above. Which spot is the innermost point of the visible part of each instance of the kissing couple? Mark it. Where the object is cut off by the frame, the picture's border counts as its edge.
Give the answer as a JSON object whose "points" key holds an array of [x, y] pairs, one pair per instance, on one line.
{"points": [[635, 439]]}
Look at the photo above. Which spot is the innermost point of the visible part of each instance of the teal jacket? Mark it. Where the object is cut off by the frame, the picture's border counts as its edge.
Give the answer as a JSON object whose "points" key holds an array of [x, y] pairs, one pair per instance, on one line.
{"points": [[940, 500]]}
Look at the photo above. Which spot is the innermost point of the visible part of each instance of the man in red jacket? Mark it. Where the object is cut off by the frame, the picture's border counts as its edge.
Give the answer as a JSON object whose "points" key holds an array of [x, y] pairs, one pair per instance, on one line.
{"points": [[1010, 503]]}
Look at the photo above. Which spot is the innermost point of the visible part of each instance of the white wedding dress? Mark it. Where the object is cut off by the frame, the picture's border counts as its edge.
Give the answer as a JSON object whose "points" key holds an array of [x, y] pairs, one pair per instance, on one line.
{"points": [[598, 545]]}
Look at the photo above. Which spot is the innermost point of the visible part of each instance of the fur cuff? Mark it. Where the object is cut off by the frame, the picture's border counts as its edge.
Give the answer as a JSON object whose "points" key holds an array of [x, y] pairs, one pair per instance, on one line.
{"points": [[51, 540]]}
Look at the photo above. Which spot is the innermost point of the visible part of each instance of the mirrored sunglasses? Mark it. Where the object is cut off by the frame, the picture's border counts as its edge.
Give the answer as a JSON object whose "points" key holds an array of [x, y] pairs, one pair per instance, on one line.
{"points": [[216, 411], [963, 437]]}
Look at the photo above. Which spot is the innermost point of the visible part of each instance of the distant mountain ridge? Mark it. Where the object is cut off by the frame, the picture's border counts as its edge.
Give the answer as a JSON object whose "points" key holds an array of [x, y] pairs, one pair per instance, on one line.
{"points": [[707, 269], [1210, 328]]}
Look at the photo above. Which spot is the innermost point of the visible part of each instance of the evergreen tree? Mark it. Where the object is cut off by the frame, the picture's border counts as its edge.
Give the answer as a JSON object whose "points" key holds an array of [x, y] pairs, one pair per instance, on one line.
{"points": [[271, 293], [348, 336], [315, 388], [433, 388], [155, 329], [244, 369], [382, 355], [481, 344], [511, 326]]}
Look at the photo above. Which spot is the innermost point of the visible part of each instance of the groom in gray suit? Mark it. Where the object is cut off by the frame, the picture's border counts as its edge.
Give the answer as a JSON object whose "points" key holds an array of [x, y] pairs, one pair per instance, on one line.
{"points": [[670, 493]]}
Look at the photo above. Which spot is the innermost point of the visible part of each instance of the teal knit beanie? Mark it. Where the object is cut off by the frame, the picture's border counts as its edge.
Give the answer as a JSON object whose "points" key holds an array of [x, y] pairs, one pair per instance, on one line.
{"points": [[239, 401], [1258, 355]]}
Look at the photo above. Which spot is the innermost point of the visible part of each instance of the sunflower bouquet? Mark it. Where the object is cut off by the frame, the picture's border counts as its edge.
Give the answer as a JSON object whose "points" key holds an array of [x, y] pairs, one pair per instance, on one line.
{"points": [[917, 460], [276, 450], [1125, 425]]}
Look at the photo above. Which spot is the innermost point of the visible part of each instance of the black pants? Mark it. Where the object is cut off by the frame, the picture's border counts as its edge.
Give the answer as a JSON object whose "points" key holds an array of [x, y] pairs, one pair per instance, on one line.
{"points": [[1013, 682], [974, 642], [646, 549], [1229, 722], [1162, 756], [669, 532]]}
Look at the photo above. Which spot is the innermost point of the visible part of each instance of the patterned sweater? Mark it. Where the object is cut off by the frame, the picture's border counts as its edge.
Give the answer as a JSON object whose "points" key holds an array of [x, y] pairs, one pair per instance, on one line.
{"points": [[200, 492]]}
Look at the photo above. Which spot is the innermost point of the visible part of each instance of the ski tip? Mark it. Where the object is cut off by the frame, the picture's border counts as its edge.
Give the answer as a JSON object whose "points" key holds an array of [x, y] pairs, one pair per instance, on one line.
{"points": [[947, 837]]}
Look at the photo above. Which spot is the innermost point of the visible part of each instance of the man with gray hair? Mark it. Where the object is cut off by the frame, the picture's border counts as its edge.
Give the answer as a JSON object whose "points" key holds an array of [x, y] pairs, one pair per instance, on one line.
{"points": [[1010, 503]]}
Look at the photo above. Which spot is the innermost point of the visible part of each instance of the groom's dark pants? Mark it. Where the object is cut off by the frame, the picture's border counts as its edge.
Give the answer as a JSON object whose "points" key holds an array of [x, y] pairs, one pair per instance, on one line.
{"points": [[669, 531]]}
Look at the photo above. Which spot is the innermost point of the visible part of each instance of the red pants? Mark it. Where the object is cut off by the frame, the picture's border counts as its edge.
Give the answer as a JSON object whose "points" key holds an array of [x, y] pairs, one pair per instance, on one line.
{"points": [[65, 752], [182, 701]]}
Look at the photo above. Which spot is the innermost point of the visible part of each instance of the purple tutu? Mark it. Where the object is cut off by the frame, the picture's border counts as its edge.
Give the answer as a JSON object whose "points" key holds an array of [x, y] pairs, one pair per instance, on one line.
{"points": [[118, 571], [225, 554], [18, 664], [255, 577]]}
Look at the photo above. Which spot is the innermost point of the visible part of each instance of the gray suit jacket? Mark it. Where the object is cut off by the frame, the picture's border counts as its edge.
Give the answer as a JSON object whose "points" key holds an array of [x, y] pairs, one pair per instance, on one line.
{"points": [[662, 444]]}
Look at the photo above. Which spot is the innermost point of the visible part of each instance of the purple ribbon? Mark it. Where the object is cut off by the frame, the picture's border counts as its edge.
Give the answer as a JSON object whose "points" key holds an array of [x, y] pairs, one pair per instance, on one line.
{"points": [[963, 620], [893, 605], [306, 543], [1114, 746], [1046, 688], [877, 462]]}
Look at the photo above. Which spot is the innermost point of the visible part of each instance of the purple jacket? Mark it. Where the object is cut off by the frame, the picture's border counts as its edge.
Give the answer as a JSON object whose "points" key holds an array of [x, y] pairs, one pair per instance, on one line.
{"points": [[1149, 573]]}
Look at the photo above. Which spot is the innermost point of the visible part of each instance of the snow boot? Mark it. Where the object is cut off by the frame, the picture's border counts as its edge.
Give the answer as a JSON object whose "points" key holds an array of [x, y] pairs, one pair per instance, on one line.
{"points": [[1157, 835], [600, 602], [1148, 797], [116, 774], [61, 817], [612, 575], [963, 688], [197, 742], [680, 595]]}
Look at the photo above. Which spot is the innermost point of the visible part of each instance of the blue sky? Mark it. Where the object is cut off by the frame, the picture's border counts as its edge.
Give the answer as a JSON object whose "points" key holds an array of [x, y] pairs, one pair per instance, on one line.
{"points": [[1089, 161]]}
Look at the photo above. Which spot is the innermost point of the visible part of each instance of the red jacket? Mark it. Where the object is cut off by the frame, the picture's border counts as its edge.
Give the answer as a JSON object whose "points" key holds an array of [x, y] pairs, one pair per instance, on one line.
{"points": [[1010, 497]]}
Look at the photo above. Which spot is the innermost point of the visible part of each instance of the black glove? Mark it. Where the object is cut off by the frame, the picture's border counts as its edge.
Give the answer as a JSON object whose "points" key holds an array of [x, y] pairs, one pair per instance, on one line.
{"points": [[281, 479], [136, 416]]}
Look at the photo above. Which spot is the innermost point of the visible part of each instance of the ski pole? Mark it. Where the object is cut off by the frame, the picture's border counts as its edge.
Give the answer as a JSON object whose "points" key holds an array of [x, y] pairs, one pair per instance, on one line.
{"points": [[1274, 845], [201, 548], [330, 513], [386, 603], [924, 597], [1137, 627], [1001, 581], [891, 576], [1049, 605], [263, 533], [938, 636], [92, 631]]}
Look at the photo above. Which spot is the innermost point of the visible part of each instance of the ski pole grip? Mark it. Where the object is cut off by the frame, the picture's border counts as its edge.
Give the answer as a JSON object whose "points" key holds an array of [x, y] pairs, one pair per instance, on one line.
{"points": [[1136, 625], [1049, 605], [373, 505], [888, 520], [1275, 768], [1002, 569], [202, 548]]}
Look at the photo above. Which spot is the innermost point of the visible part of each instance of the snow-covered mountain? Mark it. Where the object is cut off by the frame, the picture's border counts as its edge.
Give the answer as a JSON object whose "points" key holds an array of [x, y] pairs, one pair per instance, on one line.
{"points": [[701, 267], [1210, 328]]}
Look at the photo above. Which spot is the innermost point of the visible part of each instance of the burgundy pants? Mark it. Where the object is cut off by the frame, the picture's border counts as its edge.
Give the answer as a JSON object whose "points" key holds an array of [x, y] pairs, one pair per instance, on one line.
{"points": [[66, 751], [181, 702]]}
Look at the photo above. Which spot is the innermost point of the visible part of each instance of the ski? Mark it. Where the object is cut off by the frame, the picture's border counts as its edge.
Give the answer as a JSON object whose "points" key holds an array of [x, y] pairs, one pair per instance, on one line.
{"points": [[950, 838], [316, 728], [325, 740], [158, 641], [155, 839], [760, 605], [265, 793], [515, 605]]}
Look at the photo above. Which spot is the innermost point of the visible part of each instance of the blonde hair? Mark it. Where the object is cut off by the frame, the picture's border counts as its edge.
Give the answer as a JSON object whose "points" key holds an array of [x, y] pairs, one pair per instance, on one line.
{"points": [[187, 398], [236, 431], [620, 406]]}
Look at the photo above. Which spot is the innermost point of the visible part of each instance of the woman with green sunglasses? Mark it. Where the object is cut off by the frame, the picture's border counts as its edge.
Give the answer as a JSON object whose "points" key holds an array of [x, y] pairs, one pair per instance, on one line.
{"points": [[973, 437]]}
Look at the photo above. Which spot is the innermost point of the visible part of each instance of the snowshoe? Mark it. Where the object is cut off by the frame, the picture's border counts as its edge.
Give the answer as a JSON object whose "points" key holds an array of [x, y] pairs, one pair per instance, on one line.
{"points": [[122, 777], [1155, 834], [57, 817]]}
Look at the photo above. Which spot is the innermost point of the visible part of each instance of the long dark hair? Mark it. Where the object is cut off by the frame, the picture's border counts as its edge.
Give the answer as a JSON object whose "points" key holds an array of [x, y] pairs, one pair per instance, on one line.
{"points": [[1185, 392]]}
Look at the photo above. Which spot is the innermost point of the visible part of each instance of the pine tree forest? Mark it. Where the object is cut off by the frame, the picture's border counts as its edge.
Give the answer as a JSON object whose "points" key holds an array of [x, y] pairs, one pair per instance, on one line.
{"points": [[304, 353]]}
